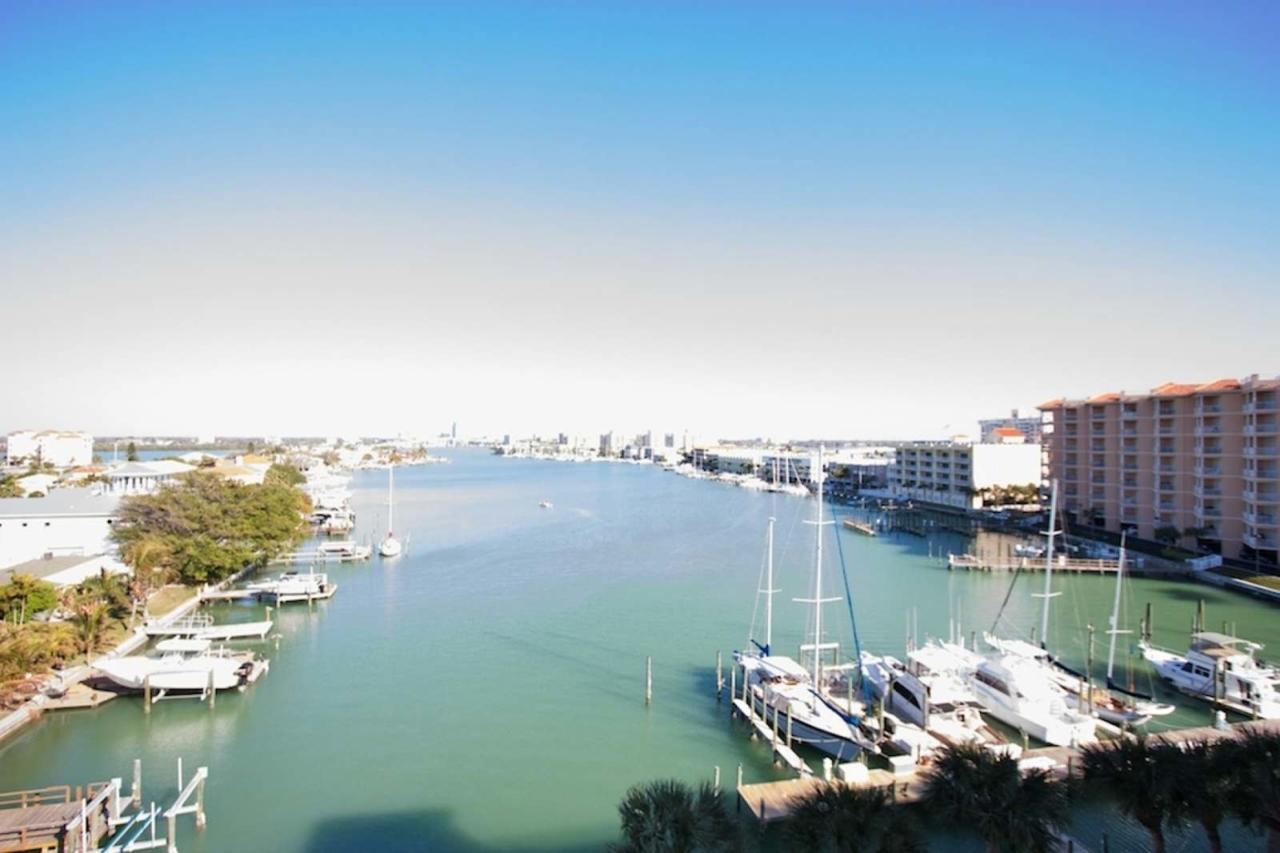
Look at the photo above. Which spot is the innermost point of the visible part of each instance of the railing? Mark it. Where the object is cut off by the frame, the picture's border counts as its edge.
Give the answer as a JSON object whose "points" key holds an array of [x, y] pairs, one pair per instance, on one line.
{"points": [[52, 795]]}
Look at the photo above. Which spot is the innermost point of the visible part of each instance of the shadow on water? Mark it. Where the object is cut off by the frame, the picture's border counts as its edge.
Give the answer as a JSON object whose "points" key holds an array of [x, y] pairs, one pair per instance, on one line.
{"points": [[405, 831]]}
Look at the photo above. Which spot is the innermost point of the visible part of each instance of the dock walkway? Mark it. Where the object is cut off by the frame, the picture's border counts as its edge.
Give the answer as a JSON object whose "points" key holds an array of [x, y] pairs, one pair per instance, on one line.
{"points": [[1074, 565]]}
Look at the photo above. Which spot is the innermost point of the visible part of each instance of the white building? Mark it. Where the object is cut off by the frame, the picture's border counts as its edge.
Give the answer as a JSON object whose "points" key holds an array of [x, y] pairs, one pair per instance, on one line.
{"points": [[953, 473], [36, 483], [60, 448], [133, 478], [67, 522], [66, 570]]}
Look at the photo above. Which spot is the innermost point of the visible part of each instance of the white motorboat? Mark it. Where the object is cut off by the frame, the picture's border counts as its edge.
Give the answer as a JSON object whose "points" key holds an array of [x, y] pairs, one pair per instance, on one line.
{"points": [[1222, 669], [390, 546], [294, 586], [926, 692], [1017, 692], [183, 665], [201, 626], [800, 699], [342, 549]]}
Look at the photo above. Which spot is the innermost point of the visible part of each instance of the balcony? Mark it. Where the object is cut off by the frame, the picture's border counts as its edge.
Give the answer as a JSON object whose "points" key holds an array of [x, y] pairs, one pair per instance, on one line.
{"points": [[1261, 474], [1202, 406], [1260, 542], [1208, 470], [1133, 431], [1260, 519], [1165, 506], [1260, 406], [1208, 430], [1130, 484], [1129, 414], [1208, 512], [1167, 468], [1208, 491]]}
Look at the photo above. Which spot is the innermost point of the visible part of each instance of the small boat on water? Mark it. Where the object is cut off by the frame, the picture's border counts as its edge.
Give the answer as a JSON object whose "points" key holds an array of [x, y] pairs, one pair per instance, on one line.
{"points": [[390, 546], [183, 665], [344, 550], [294, 586], [1222, 669]]}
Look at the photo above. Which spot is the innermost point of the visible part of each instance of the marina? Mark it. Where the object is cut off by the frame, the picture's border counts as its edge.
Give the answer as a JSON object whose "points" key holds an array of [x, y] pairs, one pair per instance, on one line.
{"points": [[568, 603]]}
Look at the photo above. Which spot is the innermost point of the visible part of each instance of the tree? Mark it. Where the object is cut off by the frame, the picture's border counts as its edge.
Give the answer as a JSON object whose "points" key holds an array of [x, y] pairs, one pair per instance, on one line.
{"points": [[211, 528], [25, 595], [131, 452], [837, 818], [9, 487], [250, 447], [972, 787], [1141, 777], [1258, 793], [1205, 784], [1168, 534], [668, 816], [282, 473]]}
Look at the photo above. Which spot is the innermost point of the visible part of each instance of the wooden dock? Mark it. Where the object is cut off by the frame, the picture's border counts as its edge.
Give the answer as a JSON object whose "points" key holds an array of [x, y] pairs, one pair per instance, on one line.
{"points": [[859, 527], [777, 740], [770, 801], [83, 694], [1073, 565]]}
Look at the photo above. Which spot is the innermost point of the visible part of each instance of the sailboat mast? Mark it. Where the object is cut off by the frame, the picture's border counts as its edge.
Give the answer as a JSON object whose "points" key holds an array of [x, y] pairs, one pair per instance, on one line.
{"points": [[1048, 563], [1115, 614], [391, 503], [768, 601], [817, 584]]}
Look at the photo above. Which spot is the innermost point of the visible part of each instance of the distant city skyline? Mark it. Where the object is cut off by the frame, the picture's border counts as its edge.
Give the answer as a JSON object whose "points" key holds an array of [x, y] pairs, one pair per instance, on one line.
{"points": [[791, 220]]}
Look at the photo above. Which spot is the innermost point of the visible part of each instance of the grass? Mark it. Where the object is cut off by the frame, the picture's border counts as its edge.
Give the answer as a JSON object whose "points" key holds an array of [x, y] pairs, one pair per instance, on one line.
{"points": [[167, 598], [1269, 581]]}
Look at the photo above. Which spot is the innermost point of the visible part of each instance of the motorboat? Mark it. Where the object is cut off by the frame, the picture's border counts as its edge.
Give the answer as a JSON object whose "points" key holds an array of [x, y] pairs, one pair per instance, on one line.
{"points": [[926, 692], [1017, 692], [342, 549], [1221, 669], [182, 665], [294, 586]]}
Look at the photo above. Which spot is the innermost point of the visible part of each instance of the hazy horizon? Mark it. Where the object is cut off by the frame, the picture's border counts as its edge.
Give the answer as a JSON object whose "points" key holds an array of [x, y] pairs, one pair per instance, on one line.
{"points": [[733, 219]]}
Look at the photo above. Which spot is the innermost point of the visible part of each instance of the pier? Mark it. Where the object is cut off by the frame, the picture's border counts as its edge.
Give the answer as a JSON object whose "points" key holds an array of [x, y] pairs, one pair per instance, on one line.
{"points": [[1063, 563], [859, 527], [770, 801]]}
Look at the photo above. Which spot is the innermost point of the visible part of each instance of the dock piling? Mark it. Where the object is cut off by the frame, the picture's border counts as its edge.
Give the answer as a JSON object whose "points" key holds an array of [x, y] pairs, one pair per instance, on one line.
{"points": [[212, 691], [135, 791], [719, 675], [146, 694], [648, 680], [717, 777]]}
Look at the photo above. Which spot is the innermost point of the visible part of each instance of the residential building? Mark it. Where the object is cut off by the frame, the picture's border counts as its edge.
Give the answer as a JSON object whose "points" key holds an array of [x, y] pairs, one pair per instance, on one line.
{"points": [[992, 430], [132, 478], [66, 522], [65, 570], [955, 474], [1195, 463], [60, 448]]}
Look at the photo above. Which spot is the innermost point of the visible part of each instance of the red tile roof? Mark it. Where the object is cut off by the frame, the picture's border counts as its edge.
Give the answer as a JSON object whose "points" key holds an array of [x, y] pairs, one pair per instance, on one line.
{"points": [[1051, 404], [1109, 397], [1219, 385], [1010, 431], [1173, 389]]}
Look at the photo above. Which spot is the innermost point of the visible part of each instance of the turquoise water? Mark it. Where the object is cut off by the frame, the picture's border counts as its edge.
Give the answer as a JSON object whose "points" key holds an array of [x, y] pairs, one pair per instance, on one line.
{"points": [[485, 691]]}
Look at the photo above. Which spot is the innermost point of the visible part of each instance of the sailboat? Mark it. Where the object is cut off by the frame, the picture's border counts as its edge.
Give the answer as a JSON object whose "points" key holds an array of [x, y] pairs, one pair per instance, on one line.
{"points": [[390, 546], [781, 688]]}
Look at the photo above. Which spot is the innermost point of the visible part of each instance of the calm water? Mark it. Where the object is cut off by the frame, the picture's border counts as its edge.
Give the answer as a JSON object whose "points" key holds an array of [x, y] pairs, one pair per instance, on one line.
{"points": [[485, 691]]}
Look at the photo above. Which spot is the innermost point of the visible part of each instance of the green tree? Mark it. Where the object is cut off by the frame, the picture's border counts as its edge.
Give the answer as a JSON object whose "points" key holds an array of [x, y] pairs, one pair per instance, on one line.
{"points": [[971, 787], [25, 595], [9, 487], [210, 528], [668, 816], [131, 452], [282, 473], [250, 447], [839, 818], [1141, 776], [35, 647], [1258, 792]]}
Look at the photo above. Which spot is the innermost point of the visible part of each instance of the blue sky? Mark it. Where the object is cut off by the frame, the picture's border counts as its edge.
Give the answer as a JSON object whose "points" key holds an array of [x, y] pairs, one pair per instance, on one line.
{"points": [[739, 218]]}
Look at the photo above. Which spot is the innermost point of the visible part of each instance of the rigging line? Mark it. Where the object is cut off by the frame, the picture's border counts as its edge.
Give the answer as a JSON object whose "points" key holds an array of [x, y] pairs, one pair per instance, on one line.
{"points": [[848, 593], [1007, 595]]}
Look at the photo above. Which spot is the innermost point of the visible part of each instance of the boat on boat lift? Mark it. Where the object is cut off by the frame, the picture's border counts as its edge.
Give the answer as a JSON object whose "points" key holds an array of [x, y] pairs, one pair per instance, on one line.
{"points": [[183, 665]]}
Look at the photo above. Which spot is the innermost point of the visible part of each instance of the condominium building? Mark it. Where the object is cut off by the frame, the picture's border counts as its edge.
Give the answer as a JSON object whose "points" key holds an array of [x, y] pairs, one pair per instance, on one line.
{"points": [[994, 430], [1198, 463], [957, 473]]}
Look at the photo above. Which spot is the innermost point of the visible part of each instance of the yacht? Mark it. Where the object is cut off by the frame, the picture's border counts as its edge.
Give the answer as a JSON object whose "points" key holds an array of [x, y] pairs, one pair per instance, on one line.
{"points": [[294, 586], [800, 698], [1016, 692], [926, 692], [390, 546], [184, 665], [1222, 669]]}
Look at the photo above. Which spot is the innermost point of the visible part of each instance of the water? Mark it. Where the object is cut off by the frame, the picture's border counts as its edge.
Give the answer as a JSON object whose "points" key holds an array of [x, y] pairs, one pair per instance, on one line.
{"points": [[485, 691]]}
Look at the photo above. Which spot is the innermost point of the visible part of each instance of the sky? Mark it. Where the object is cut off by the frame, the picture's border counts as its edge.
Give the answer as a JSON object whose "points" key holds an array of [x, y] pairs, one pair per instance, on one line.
{"points": [[859, 220]]}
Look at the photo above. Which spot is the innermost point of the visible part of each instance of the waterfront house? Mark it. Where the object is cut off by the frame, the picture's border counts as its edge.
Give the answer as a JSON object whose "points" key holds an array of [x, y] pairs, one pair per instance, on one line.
{"points": [[59, 448], [66, 522]]}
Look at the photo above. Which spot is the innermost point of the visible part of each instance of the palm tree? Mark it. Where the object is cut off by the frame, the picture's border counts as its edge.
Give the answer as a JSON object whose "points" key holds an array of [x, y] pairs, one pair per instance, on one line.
{"points": [[1205, 784], [835, 818], [972, 787], [1141, 777], [1258, 794], [667, 816]]}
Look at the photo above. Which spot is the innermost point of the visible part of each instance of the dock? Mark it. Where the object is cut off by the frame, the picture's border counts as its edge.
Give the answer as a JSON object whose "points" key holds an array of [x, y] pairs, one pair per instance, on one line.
{"points": [[782, 750], [859, 527], [358, 554], [82, 694], [1063, 563], [771, 801], [203, 627]]}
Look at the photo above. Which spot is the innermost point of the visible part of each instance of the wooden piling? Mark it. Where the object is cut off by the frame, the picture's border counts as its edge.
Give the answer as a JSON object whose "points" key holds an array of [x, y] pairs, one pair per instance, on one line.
{"points": [[719, 675], [717, 777], [135, 792], [212, 691], [733, 686], [648, 680], [146, 694], [200, 818], [789, 730]]}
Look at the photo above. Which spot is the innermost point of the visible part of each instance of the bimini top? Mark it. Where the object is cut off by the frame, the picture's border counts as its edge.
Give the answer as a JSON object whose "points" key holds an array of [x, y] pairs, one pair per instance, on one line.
{"points": [[1203, 640]]}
